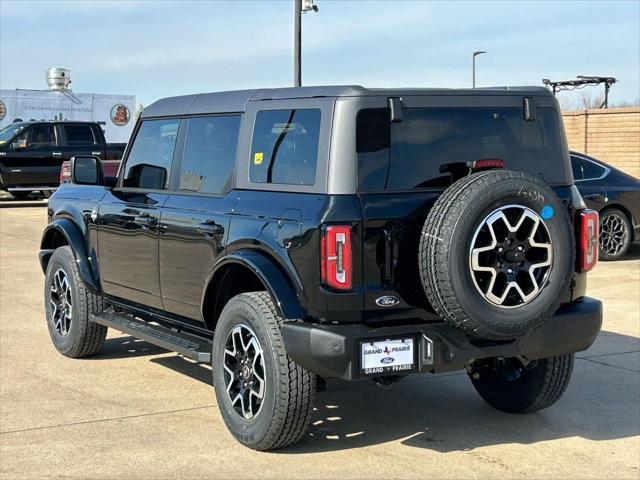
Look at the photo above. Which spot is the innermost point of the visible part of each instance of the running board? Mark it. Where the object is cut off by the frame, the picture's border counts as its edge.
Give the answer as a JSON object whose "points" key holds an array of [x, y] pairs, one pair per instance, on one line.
{"points": [[187, 345]]}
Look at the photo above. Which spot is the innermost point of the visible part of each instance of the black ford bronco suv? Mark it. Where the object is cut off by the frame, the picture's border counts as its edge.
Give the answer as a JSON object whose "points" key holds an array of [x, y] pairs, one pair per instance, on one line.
{"points": [[291, 235]]}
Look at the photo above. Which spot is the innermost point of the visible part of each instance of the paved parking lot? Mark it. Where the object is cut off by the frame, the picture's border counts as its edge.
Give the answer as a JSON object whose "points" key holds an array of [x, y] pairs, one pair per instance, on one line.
{"points": [[135, 411]]}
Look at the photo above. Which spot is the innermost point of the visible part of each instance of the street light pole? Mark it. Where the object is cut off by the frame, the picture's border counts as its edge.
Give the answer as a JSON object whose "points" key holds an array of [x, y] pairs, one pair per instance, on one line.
{"points": [[475, 54], [297, 44], [300, 7]]}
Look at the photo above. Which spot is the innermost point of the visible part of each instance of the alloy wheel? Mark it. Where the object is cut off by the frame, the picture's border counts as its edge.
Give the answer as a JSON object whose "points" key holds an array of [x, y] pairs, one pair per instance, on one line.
{"points": [[244, 372], [511, 256], [613, 234], [61, 302]]}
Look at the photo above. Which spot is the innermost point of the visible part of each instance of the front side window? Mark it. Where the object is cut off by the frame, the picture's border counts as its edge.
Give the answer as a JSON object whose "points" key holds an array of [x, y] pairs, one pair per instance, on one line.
{"points": [[40, 136], [7, 133], [284, 149], [79, 135], [149, 161], [209, 155], [413, 153]]}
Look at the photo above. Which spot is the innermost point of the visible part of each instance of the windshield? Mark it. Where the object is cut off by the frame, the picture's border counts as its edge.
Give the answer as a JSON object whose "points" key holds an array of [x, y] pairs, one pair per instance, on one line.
{"points": [[410, 154], [10, 131]]}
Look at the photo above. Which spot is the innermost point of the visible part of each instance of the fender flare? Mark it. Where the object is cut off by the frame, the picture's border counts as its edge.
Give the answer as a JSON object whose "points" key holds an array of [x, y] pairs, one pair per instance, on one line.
{"points": [[272, 277], [75, 239]]}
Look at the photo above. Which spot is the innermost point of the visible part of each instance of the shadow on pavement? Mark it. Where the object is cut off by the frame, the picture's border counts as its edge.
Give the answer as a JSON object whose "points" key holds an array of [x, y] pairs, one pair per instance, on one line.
{"points": [[444, 413], [126, 347]]}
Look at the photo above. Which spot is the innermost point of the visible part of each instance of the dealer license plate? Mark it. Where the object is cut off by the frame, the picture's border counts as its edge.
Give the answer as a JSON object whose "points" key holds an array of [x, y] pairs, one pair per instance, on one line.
{"points": [[387, 356]]}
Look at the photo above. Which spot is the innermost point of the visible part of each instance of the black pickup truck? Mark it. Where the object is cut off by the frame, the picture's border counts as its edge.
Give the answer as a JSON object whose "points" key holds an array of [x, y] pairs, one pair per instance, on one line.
{"points": [[31, 153]]}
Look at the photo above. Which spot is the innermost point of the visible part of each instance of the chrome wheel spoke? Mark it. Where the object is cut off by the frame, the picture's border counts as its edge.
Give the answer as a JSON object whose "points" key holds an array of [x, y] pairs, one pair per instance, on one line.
{"points": [[244, 371], [614, 235], [61, 302], [511, 256]]}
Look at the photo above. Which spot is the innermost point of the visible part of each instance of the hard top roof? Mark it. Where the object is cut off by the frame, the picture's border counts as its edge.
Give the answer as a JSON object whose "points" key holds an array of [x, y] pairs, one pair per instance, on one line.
{"points": [[236, 100]]}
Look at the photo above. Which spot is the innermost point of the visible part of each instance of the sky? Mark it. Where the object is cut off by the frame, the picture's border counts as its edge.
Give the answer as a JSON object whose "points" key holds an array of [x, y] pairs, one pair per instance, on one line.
{"points": [[155, 49]]}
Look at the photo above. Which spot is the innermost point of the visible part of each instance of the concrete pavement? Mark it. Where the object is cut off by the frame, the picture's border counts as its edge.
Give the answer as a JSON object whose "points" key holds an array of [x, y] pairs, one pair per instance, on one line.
{"points": [[136, 411]]}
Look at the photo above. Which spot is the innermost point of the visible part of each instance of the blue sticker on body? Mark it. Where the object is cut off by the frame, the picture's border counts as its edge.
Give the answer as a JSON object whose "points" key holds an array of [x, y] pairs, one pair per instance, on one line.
{"points": [[547, 212]]}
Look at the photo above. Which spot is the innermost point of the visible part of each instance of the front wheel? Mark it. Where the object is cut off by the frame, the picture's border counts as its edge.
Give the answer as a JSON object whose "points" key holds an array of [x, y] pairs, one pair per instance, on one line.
{"points": [[514, 386], [265, 398], [69, 306]]}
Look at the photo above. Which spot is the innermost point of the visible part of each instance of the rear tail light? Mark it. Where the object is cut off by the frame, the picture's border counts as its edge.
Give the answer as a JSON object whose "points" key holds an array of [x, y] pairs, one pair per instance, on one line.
{"points": [[588, 231], [336, 256], [65, 173]]}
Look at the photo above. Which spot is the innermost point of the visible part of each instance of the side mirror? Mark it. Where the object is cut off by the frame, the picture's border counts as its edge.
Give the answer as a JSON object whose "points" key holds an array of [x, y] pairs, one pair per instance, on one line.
{"points": [[86, 170], [19, 144]]}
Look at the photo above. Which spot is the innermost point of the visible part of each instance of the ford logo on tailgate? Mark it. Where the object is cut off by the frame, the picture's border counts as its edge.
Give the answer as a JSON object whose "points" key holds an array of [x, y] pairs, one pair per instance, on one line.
{"points": [[387, 301]]}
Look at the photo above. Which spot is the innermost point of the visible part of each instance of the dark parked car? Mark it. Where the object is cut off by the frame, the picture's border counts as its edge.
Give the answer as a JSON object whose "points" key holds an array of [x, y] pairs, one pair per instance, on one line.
{"points": [[287, 236], [616, 196], [31, 153]]}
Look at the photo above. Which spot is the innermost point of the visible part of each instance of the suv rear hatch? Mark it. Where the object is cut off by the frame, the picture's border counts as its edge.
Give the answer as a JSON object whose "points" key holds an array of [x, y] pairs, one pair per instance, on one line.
{"points": [[405, 163]]}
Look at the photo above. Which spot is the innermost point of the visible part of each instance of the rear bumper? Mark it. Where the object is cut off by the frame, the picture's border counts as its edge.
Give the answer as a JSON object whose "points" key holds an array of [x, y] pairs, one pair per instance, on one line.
{"points": [[333, 350]]}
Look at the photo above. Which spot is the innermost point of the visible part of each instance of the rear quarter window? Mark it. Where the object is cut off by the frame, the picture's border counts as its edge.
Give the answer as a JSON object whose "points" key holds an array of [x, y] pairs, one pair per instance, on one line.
{"points": [[284, 148]]}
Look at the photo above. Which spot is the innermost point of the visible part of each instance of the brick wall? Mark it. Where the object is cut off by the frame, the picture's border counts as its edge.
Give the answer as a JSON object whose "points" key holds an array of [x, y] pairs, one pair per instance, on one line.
{"points": [[611, 135]]}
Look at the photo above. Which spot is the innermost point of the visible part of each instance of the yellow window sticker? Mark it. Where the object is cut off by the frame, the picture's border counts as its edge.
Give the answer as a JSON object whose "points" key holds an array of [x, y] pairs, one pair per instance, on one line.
{"points": [[257, 158]]}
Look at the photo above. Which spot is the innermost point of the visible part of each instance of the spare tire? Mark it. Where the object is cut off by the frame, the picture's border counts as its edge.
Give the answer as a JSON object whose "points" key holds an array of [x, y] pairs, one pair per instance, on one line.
{"points": [[497, 254]]}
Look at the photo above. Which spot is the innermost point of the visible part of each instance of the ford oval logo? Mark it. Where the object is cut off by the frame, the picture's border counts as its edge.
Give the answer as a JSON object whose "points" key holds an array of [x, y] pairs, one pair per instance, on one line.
{"points": [[387, 301], [386, 360]]}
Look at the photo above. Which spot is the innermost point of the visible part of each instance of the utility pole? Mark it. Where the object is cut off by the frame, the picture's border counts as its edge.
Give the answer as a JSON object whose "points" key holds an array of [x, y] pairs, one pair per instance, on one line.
{"points": [[475, 54], [300, 7]]}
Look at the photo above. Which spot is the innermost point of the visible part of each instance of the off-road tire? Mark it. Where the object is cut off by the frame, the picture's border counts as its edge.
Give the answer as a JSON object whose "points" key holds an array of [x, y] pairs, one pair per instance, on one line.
{"points": [[290, 390], [445, 244], [85, 337], [539, 387]]}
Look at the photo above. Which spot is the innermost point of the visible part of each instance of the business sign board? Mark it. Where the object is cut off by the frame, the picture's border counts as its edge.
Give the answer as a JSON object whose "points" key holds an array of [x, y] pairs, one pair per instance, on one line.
{"points": [[114, 112]]}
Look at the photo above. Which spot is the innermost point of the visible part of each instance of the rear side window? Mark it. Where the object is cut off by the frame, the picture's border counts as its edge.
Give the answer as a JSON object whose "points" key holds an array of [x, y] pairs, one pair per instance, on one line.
{"points": [[576, 166], [427, 139], [209, 154], [149, 162], [591, 170], [284, 149], [79, 135]]}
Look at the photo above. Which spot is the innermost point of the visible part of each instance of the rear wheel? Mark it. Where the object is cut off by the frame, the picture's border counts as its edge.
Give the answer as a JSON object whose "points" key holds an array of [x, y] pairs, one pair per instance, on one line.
{"points": [[68, 306], [266, 400], [512, 386], [615, 234]]}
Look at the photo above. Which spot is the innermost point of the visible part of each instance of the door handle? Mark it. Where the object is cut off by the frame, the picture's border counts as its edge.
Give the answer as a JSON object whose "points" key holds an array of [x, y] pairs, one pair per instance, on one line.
{"points": [[390, 253], [210, 228], [56, 154], [595, 197]]}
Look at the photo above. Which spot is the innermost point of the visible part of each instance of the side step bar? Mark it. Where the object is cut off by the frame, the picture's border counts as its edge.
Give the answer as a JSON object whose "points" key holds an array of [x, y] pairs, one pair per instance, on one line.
{"points": [[187, 345]]}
